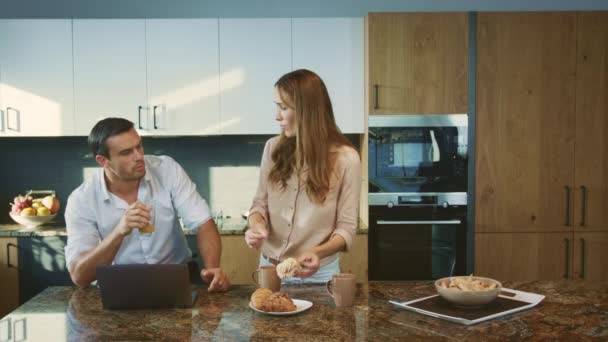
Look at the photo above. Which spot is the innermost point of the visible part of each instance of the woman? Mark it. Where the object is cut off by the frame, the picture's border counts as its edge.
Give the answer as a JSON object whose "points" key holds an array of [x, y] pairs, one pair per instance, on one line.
{"points": [[307, 201]]}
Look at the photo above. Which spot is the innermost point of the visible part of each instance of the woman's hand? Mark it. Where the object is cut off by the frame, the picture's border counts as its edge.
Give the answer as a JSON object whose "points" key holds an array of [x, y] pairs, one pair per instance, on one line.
{"points": [[255, 236], [310, 264]]}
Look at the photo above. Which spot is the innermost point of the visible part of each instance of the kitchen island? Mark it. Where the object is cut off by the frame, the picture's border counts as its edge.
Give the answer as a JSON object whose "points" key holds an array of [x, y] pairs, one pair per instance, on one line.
{"points": [[572, 310]]}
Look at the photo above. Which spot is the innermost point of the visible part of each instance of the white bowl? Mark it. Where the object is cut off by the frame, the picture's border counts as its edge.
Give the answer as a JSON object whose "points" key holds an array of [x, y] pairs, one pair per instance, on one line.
{"points": [[468, 298], [32, 221]]}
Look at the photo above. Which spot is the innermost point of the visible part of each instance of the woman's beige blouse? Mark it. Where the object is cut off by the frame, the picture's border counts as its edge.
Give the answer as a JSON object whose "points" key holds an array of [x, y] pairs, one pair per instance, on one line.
{"points": [[295, 223]]}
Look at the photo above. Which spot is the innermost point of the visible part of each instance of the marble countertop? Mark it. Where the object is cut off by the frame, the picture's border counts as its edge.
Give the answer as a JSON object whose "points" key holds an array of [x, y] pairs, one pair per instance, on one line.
{"points": [[572, 310], [232, 226], [228, 226]]}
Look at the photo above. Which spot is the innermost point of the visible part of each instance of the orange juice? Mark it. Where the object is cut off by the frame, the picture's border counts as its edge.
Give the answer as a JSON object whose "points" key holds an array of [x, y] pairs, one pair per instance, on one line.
{"points": [[149, 229]]}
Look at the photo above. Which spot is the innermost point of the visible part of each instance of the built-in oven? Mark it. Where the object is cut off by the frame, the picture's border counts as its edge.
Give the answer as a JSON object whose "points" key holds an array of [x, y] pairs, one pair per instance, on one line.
{"points": [[417, 196]]}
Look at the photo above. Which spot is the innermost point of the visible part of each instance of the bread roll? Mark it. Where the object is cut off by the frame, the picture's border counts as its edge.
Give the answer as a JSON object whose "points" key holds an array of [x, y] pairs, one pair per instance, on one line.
{"points": [[288, 268], [259, 296]]}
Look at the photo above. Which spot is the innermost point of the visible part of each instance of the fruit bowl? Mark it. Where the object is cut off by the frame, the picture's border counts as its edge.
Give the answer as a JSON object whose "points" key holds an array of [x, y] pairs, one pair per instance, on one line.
{"points": [[32, 212], [468, 291], [32, 221]]}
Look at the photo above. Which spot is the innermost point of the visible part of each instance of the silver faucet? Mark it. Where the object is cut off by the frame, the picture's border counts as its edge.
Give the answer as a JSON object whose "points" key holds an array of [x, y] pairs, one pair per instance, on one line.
{"points": [[219, 218]]}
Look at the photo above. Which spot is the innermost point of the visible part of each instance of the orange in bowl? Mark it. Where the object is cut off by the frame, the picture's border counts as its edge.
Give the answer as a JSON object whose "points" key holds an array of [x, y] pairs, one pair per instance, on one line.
{"points": [[468, 291]]}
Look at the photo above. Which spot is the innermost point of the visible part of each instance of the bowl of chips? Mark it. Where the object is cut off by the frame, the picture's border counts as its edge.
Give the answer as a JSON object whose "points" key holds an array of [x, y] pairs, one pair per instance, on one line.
{"points": [[468, 291]]}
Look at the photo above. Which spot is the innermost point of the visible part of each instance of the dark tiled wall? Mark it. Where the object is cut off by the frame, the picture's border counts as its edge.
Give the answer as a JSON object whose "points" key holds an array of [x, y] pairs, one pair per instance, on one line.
{"points": [[58, 163]]}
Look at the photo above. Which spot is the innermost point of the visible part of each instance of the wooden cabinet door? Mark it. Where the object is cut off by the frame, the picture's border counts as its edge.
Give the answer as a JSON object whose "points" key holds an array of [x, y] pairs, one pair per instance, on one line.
{"points": [[591, 150], [9, 275], [417, 63], [238, 261], [524, 256], [356, 260], [334, 49], [110, 72], [36, 80], [525, 121], [182, 76], [591, 256], [254, 53]]}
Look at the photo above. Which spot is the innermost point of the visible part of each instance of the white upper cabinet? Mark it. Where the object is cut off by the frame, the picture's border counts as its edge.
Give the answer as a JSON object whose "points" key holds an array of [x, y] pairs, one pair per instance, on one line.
{"points": [[254, 53], [171, 76], [183, 76], [334, 49], [36, 84], [110, 72]]}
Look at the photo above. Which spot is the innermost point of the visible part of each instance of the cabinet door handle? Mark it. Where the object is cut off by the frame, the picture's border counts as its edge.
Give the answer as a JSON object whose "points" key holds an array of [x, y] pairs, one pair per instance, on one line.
{"points": [[154, 116], [139, 117], [376, 99], [582, 258], [567, 205], [2, 120], [23, 324], [583, 204], [8, 254], [567, 258], [8, 121], [9, 326]]}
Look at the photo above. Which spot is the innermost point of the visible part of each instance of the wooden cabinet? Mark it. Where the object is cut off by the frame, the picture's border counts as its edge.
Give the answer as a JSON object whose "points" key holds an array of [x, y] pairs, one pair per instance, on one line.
{"points": [[542, 158], [238, 261], [417, 63], [525, 119], [591, 146], [182, 76], [254, 53], [356, 260], [110, 72], [334, 49], [523, 256], [542, 122], [9, 275], [590, 259], [542, 256], [36, 83]]}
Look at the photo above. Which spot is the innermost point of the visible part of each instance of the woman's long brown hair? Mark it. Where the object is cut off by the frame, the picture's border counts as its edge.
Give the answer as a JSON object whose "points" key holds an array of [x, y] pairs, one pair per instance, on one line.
{"points": [[316, 133]]}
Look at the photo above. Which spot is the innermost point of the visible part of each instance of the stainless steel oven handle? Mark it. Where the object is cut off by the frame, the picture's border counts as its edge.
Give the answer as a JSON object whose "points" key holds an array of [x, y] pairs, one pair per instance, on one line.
{"points": [[420, 222]]}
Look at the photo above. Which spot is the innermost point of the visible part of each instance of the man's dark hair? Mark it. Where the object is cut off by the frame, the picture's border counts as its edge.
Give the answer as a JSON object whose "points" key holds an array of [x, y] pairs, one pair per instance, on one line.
{"points": [[103, 130]]}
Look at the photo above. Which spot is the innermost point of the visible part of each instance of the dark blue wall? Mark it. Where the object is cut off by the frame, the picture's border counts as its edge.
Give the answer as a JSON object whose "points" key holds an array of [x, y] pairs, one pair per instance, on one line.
{"points": [[57, 163], [268, 8]]}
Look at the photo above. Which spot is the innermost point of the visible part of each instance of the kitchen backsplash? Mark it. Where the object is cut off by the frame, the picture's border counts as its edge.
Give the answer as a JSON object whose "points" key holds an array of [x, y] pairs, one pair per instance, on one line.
{"points": [[224, 168]]}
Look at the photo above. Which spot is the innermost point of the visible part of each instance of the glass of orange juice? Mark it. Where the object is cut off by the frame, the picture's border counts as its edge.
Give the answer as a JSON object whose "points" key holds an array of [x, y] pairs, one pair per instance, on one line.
{"points": [[149, 229]]}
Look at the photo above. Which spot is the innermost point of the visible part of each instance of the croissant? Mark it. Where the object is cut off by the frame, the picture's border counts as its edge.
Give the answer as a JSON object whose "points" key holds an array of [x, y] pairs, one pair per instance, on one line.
{"points": [[288, 268], [278, 302], [259, 296]]}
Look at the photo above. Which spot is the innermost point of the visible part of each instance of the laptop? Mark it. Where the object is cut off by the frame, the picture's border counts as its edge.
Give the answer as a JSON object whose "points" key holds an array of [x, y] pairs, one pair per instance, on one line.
{"points": [[143, 286]]}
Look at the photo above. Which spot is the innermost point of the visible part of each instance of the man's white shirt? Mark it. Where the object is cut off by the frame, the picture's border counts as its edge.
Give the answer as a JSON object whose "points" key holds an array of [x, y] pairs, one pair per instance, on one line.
{"points": [[92, 213]]}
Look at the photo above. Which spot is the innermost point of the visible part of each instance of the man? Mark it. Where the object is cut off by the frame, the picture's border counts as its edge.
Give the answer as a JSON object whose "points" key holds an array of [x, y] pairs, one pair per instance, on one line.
{"points": [[105, 214]]}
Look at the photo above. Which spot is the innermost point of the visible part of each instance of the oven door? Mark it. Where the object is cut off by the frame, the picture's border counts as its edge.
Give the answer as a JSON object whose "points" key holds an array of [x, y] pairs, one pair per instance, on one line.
{"points": [[418, 153], [416, 248]]}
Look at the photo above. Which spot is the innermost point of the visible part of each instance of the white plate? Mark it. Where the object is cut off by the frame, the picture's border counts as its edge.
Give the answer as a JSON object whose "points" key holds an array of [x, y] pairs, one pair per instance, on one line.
{"points": [[301, 305]]}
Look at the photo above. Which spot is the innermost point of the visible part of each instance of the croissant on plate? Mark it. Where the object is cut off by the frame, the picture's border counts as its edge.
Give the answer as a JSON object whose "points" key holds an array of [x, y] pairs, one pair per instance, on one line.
{"points": [[278, 302], [263, 299], [259, 296]]}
